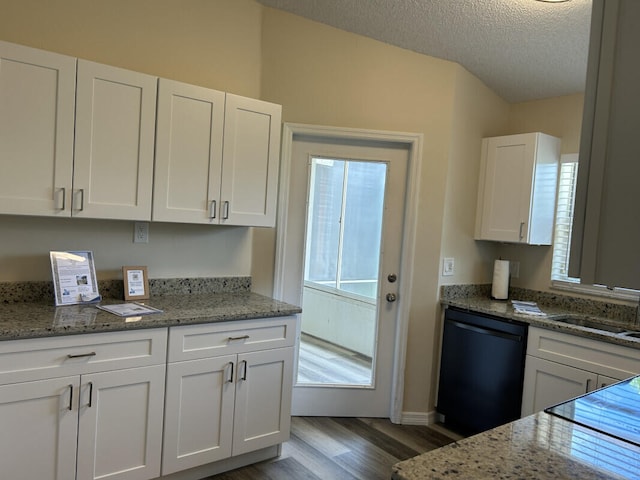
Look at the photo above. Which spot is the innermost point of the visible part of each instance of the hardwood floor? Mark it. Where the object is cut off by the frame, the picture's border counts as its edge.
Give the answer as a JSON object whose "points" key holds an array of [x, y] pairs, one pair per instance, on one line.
{"points": [[328, 448], [322, 362]]}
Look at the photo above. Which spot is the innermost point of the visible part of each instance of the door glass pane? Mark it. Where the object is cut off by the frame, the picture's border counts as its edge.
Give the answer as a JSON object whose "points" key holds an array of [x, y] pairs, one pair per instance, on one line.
{"points": [[339, 305]]}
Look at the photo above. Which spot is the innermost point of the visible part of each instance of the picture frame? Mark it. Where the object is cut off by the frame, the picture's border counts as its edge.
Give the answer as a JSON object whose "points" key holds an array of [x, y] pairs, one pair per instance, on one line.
{"points": [[136, 283], [74, 277]]}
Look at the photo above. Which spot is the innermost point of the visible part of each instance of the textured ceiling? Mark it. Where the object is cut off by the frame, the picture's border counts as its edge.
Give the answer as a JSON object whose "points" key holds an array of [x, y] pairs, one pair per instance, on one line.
{"points": [[522, 49]]}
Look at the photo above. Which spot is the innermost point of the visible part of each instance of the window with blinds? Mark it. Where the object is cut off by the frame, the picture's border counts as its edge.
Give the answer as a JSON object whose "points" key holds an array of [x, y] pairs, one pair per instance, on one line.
{"points": [[562, 238], [564, 218]]}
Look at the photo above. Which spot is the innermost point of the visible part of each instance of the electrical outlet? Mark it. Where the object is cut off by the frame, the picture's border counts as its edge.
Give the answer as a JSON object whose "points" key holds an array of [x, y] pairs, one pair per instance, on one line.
{"points": [[447, 267], [514, 269], [141, 232]]}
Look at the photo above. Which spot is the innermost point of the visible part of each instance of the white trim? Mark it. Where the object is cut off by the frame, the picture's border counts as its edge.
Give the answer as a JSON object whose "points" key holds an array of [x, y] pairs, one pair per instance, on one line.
{"points": [[596, 290], [414, 141]]}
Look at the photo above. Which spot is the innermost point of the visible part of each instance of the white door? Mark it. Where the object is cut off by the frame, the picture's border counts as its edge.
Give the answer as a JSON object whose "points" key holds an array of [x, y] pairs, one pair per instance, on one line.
{"points": [[355, 229], [39, 429], [37, 97], [248, 191], [114, 142], [120, 424], [263, 396]]}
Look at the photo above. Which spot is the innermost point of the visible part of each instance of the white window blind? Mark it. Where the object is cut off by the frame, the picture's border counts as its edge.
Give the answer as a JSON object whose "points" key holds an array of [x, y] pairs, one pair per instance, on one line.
{"points": [[564, 218], [562, 238]]}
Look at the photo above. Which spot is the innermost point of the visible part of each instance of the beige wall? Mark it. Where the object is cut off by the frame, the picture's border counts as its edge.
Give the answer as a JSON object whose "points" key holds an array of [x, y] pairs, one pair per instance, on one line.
{"points": [[210, 43], [561, 117], [329, 77]]}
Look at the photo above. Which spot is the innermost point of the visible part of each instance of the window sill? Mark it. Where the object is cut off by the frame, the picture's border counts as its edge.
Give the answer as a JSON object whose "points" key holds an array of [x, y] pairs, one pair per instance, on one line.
{"points": [[596, 291]]}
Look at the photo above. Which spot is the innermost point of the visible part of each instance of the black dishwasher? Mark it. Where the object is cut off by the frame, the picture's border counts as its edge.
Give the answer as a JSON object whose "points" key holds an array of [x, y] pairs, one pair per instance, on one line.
{"points": [[481, 370]]}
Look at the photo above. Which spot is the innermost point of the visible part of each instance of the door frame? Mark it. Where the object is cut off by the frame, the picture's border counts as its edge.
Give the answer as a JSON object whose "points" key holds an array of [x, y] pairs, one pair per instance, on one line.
{"points": [[413, 141]]}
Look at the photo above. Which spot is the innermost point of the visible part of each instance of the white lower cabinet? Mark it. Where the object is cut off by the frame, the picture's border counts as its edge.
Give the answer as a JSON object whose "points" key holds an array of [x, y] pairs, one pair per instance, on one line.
{"points": [[561, 366], [233, 397], [120, 427], [39, 429], [86, 407], [84, 414]]}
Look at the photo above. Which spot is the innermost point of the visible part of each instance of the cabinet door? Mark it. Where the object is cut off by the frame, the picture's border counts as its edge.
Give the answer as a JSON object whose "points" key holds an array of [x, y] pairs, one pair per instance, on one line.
{"points": [[198, 424], [506, 187], [39, 429], [188, 161], [37, 95], [263, 399], [120, 426], [251, 159], [605, 381], [548, 383], [114, 144], [606, 233]]}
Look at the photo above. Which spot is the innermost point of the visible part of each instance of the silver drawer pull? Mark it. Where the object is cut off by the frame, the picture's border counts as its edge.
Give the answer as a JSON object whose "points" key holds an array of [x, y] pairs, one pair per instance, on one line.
{"points": [[80, 355], [243, 337]]}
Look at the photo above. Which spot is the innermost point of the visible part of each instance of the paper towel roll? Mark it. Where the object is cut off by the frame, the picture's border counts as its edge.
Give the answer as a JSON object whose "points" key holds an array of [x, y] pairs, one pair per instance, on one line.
{"points": [[500, 286]]}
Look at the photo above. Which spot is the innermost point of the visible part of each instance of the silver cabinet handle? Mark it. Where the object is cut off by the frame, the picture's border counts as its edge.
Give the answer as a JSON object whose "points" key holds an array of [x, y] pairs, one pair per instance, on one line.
{"points": [[243, 337], [70, 396], [521, 230], [80, 192], [80, 355], [90, 393], [244, 372], [63, 191], [230, 380], [212, 209], [226, 210]]}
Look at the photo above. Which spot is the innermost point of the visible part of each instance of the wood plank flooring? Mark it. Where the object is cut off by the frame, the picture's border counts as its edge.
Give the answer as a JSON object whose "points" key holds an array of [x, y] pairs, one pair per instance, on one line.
{"points": [[322, 362], [328, 448]]}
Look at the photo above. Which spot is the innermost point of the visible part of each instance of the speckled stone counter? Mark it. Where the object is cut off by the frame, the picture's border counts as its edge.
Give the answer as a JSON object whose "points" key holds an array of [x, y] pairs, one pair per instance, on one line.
{"points": [[540, 447], [556, 307], [232, 301]]}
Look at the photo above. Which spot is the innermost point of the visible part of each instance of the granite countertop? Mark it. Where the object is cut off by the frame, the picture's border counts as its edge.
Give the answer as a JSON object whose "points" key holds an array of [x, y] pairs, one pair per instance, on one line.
{"points": [[540, 446], [556, 308], [40, 318]]}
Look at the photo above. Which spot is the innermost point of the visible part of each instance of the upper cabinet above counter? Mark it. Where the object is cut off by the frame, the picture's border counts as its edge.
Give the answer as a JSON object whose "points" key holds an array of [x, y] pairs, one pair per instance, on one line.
{"points": [[216, 155], [517, 188], [606, 230]]}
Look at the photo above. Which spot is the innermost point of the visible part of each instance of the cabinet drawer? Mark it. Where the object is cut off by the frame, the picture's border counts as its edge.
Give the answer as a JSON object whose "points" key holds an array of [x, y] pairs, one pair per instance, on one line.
{"points": [[200, 341], [37, 358], [604, 358]]}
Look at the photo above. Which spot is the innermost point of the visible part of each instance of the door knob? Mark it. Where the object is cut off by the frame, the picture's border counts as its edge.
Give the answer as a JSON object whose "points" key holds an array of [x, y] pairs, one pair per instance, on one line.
{"points": [[391, 297], [392, 277]]}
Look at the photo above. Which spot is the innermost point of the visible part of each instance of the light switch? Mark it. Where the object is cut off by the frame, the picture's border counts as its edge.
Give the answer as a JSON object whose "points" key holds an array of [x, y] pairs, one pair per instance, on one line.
{"points": [[447, 267]]}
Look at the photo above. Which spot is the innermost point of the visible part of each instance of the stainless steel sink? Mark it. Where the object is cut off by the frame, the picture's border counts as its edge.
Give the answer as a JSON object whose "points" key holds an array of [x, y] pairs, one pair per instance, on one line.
{"points": [[597, 325]]}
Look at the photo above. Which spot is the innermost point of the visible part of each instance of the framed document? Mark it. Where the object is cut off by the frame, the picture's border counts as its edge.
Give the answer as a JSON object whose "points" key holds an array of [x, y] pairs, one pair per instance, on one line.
{"points": [[74, 277], [136, 283]]}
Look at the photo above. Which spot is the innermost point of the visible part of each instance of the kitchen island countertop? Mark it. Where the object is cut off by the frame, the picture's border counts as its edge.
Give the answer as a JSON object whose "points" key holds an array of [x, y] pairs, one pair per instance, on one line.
{"points": [[42, 319], [539, 447]]}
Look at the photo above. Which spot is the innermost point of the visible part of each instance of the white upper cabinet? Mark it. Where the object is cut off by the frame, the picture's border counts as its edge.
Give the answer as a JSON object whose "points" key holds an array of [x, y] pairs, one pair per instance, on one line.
{"points": [[251, 159], [217, 157], [78, 139], [37, 96], [606, 230], [188, 153], [517, 188], [114, 145]]}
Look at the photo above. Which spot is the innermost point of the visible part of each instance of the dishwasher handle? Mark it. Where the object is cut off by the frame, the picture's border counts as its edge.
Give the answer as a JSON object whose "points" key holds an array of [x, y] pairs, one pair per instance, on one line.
{"points": [[487, 331]]}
